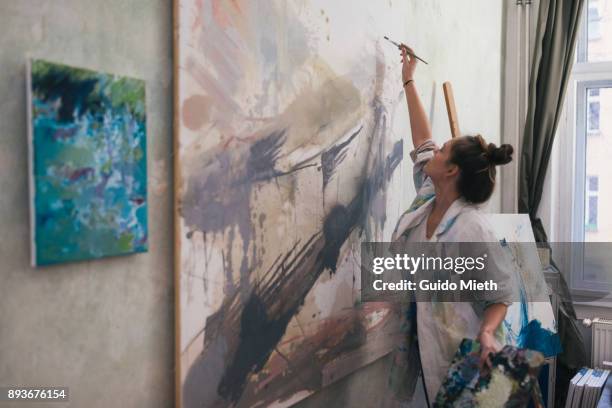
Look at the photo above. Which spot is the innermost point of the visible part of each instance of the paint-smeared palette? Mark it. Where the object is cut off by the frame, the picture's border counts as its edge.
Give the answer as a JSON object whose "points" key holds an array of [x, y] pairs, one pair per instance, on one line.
{"points": [[88, 168]]}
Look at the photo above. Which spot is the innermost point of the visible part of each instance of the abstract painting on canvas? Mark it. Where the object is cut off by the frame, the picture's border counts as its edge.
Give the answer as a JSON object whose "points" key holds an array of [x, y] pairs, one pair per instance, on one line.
{"points": [[88, 167], [289, 154]]}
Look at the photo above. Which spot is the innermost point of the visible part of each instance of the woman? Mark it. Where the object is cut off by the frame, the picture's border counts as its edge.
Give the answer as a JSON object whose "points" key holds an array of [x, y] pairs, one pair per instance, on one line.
{"points": [[451, 182]]}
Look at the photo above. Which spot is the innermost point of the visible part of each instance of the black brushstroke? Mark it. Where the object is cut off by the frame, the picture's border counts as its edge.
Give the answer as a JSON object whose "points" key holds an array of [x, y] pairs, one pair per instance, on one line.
{"points": [[336, 228], [263, 156], [259, 334], [334, 156]]}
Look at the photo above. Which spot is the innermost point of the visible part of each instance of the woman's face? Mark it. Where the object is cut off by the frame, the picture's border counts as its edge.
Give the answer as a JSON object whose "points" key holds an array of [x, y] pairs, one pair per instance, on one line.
{"points": [[440, 167]]}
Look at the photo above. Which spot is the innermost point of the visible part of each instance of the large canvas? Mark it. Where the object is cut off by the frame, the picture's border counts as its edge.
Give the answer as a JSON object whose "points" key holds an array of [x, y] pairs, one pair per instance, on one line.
{"points": [[87, 163], [289, 123]]}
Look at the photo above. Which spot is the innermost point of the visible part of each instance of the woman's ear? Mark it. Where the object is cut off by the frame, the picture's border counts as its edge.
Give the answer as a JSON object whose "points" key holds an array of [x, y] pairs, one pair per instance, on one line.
{"points": [[452, 170]]}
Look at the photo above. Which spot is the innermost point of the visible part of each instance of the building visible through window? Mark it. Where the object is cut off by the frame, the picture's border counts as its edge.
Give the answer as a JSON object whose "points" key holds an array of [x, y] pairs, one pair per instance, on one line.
{"points": [[591, 203], [593, 113], [594, 28]]}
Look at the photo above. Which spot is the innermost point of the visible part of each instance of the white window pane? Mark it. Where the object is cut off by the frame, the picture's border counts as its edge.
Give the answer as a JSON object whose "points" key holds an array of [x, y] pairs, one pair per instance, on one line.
{"points": [[598, 154], [599, 31], [594, 28]]}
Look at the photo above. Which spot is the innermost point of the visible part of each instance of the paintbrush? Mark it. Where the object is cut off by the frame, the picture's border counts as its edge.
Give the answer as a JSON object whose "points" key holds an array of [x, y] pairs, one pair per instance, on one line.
{"points": [[400, 47]]}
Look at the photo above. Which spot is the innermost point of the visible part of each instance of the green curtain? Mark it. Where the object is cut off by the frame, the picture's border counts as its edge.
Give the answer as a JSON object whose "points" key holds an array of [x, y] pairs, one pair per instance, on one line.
{"points": [[556, 34]]}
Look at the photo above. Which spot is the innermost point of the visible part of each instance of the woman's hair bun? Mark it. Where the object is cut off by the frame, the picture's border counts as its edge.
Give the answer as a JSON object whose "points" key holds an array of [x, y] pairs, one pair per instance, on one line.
{"points": [[500, 155]]}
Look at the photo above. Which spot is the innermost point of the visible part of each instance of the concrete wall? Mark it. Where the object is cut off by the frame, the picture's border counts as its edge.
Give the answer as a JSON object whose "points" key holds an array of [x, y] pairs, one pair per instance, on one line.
{"points": [[102, 328]]}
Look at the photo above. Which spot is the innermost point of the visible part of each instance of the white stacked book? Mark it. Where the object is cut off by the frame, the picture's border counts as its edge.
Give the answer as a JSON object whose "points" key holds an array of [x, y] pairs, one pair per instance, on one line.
{"points": [[585, 388], [595, 386]]}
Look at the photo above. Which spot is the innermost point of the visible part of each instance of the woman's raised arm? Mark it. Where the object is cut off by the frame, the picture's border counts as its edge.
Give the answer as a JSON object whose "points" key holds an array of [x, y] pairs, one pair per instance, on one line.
{"points": [[419, 124]]}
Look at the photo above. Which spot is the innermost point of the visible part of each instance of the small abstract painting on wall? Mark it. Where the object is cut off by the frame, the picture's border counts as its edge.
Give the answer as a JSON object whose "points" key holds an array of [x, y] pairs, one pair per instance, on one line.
{"points": [[88, 170]]}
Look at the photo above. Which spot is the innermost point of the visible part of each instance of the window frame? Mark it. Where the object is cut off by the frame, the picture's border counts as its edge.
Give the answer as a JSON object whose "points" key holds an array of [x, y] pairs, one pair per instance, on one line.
{"points": [[567, 201], [582, 83], [570, 164], [579, 141]]}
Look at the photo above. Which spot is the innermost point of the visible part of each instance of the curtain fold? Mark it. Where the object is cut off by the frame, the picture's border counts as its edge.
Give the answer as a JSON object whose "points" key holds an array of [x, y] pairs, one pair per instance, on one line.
{"points": [[557, 31]]}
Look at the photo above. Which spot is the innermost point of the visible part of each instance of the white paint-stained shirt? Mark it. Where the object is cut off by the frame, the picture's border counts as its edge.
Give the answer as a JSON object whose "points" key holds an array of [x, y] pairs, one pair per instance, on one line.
{"points": [[441, 326]]}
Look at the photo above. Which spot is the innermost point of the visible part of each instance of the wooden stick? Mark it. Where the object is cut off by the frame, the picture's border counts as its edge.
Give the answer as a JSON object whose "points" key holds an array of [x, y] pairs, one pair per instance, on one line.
{"points": [[178, 369], [450, 108]]}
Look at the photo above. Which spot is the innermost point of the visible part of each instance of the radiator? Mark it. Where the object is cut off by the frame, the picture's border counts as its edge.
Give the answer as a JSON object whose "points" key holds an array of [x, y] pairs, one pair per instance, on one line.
{"points": [[601, 344]]}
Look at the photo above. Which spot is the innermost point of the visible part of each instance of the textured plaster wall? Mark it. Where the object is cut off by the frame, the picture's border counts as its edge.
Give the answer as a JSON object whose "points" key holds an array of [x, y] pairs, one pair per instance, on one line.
{"points": [[102, 328]]}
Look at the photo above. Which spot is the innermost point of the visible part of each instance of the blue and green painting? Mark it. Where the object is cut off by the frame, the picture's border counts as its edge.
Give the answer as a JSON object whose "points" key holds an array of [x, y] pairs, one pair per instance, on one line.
{"points": [[89, 165]]}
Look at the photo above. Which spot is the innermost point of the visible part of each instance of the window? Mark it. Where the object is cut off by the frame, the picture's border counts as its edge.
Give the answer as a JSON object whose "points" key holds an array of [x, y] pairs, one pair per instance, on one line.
{"points": [[592, 182], [586, 131], [591, 85], [590, 222], [594, 41], [592, 186]]}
